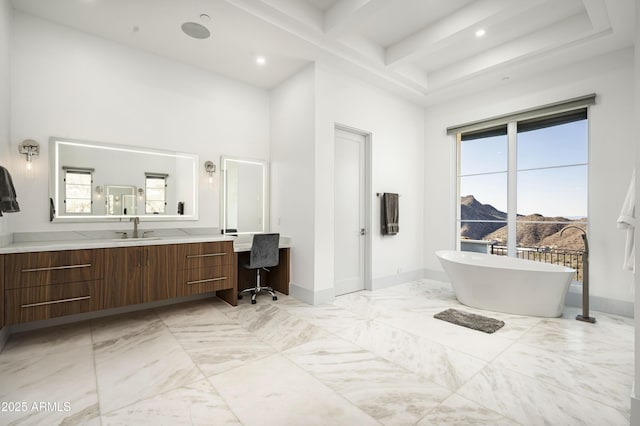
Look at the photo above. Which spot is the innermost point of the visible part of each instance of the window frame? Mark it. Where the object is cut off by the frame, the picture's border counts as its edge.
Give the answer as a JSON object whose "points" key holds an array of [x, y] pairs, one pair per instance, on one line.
{"points": [[155, 176], [512, 174], [78, 171]]}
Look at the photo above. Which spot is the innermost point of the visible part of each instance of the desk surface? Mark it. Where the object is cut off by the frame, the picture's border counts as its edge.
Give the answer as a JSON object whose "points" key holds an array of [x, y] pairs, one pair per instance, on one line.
{"points": [[243, 243]]}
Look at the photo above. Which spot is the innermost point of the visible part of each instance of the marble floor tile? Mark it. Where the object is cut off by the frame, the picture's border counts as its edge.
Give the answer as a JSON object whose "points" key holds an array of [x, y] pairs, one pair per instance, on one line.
{"points": [[459, 411], [51, 340], [574, 344], [214, 342], [195, 404], [327, 317], [534, 402], [611, 329], [371, 357], [600, 384], [387, 392], [259, 395], [49, 385], [472, 342], [276, 326], [437, 363], [138, 359]]}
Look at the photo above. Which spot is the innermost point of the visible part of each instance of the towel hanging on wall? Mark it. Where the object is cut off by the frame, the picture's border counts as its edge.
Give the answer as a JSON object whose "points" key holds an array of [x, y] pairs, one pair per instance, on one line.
{"points": [[8, 202], [390, 214], [627, 222]]}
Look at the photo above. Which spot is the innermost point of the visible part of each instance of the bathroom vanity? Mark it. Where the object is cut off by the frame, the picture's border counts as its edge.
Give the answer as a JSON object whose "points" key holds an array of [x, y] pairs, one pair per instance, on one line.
{"points": [[41, 281]]}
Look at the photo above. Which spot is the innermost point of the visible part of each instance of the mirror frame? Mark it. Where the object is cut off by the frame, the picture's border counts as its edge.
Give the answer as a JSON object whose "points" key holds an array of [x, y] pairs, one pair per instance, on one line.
{"points": [[54, 179], [265, 194]]}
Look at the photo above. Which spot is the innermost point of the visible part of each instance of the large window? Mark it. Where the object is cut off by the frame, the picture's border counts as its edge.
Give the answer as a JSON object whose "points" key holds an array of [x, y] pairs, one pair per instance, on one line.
{"points": [[77, 190], [521, 183]]}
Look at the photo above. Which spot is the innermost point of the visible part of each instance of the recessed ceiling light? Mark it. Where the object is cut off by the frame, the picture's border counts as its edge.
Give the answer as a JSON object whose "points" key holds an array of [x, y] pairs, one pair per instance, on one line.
{"points": [[261, 60], [481, 32], [195, 30]]}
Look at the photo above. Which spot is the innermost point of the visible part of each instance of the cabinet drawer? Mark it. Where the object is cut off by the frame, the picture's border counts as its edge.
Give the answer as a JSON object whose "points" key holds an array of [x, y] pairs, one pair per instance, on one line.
{"points": [[44, 302], [205, 255], [196, 281], [52, 267]]}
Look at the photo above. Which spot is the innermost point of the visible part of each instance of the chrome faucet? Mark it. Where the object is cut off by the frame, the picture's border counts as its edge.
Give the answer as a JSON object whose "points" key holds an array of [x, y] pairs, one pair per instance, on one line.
{"points": [[136, 221], [585, 276]]}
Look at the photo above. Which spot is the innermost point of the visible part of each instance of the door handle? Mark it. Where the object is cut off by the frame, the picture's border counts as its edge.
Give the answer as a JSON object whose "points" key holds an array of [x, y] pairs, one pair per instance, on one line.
{"points": [[362, 231]]}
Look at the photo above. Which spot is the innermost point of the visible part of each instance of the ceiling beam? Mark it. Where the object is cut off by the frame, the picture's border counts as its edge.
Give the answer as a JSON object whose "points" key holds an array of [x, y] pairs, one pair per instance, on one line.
{"points": [[344, 14], [460, 23], [597, 10], [573, 30]]}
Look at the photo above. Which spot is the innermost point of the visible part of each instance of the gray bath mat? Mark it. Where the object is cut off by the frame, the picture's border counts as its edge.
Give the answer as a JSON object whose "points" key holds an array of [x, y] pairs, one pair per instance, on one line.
{"points": [[466, 319]]}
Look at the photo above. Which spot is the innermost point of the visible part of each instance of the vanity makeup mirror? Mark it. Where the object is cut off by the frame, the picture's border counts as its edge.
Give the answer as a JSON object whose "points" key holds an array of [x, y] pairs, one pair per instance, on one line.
{"points": [[245, 198], [93, 181]]}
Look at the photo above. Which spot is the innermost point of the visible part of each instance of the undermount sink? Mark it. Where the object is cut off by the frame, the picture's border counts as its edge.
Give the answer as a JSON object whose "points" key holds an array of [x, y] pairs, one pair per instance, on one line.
{"points": [[135, 239]]}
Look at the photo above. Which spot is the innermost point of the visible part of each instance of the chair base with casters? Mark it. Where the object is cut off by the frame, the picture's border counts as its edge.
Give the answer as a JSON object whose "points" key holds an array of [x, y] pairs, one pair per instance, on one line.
{"points": [[257, 289], [264, 254]]}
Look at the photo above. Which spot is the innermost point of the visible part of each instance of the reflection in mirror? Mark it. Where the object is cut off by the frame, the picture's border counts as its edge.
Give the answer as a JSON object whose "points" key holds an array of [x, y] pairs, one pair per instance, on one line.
{"points": [[121, 200], [245, 200], [97, 181]]}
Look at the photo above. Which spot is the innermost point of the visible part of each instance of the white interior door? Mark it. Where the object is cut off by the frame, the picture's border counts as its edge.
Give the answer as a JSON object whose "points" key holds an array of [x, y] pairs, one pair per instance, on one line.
{"points": [[349, 212]]}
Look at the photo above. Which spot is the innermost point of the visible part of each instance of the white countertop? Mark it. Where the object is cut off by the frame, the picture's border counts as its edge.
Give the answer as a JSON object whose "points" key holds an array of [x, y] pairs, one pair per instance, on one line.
{"points": [[35, 246], [240, 244]]}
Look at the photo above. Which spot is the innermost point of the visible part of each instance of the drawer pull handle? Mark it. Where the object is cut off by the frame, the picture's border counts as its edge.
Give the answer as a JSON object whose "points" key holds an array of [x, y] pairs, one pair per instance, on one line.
{"points": [[55, 268], [208, 280], [206, 255], [51, 302]]}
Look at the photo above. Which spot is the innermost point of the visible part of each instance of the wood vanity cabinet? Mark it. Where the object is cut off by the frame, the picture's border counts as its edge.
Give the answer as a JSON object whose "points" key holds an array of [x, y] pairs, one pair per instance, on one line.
{"points": [[43, 285], [139, 274], [123, 282], [46, 285], [160, 272], [206, 267]]}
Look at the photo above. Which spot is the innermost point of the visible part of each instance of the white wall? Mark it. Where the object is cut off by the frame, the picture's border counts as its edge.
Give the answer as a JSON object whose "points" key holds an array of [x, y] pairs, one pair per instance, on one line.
{"points": [[70, 84], [611, 125], [292, 174], [304, 111], [397, 152], [5, 100]]}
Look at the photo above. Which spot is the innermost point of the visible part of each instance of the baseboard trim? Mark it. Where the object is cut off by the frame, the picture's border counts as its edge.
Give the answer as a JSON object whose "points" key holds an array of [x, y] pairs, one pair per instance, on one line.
{"points": [[635, 407], [312, 297], [598, 303], [391, 280]]}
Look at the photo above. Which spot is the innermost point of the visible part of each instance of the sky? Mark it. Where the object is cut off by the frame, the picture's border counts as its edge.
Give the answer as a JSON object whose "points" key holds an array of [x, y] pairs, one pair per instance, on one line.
{"points": [[558, 189]]}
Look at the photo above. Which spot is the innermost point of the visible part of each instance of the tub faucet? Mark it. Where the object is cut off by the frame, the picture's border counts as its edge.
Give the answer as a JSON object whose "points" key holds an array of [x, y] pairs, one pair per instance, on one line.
{"points": [[583, 235], [585, 276], [136, 221]]}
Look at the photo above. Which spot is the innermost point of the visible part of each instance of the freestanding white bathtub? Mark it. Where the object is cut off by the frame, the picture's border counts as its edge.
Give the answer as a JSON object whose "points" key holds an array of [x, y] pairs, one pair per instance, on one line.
{"points": [[506, 284]]}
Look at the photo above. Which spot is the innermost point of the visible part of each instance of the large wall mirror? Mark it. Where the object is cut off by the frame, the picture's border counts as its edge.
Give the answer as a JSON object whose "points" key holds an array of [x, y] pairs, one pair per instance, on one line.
{"points": [[245, 197], [93, 181]]}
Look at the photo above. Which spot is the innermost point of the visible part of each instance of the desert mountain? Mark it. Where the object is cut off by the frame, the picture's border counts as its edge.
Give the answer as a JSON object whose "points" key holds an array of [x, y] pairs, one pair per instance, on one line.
{"points": [[528, 234]]}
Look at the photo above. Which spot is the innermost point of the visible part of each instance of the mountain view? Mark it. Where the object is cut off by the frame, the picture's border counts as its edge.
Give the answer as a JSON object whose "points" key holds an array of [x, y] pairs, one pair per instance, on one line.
{"points": [[528, 234]]}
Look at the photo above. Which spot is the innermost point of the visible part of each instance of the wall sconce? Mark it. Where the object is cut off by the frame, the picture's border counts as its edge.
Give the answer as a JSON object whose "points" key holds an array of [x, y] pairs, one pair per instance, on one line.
{"points": [[140, 193], [99, 191], [210, 168], [29, 148]]}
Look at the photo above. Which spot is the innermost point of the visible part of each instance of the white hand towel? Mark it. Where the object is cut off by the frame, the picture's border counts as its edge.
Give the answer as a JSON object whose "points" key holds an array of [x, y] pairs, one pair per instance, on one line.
{"points": [[627, 222]]}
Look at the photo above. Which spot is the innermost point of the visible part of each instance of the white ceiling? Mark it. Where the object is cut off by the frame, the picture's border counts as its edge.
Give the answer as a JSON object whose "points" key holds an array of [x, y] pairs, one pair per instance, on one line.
{"points": [[425, 50]]}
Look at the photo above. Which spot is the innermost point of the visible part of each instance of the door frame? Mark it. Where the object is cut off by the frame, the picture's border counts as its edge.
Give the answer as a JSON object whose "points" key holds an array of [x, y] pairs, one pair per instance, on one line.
{"points": [[368, 284]]}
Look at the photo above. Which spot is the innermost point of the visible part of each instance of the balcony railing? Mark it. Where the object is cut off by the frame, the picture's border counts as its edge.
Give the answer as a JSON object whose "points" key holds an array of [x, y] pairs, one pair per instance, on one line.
{"points": [[570, 258]]}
